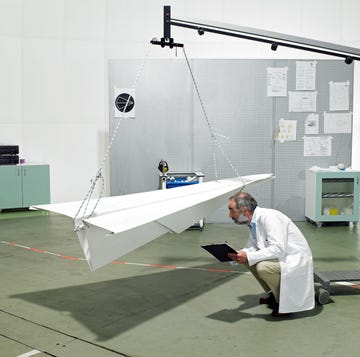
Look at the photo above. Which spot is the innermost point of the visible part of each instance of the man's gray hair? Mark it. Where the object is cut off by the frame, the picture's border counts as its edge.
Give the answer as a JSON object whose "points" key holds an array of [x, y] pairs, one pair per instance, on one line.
{"points": [[244, 199]]}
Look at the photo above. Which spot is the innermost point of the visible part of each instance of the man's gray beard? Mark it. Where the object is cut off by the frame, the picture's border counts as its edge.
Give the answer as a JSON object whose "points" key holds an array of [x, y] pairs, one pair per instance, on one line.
{"points": [[241, 220]]}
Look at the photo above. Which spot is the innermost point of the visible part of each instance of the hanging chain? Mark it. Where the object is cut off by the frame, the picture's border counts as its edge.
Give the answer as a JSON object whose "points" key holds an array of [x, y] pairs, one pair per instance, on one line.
{"points": [[99, 176], [212, 134]]}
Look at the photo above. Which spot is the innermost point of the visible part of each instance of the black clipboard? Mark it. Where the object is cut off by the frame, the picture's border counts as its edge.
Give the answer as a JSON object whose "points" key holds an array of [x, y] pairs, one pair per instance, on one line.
{"points": [[220, 251]]}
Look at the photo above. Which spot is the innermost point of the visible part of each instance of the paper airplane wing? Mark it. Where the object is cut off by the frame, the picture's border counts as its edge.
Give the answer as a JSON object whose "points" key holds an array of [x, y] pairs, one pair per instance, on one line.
{"points": [[121, 224]]}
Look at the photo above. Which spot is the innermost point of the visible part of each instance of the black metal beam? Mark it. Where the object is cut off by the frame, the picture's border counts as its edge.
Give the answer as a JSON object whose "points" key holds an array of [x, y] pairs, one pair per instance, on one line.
{"points": [[273, 38], [272, 41], [167, 19]]}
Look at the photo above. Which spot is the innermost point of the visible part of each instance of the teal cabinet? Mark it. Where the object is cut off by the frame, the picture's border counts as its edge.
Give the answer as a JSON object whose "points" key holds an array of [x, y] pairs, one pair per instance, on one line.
{"points": [[10, 186], [24, 185], [332, 196]]}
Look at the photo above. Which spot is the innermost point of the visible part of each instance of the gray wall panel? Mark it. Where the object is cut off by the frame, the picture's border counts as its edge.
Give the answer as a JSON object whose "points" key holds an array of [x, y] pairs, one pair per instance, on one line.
{"points": [[160, 129], [170, 124], [289, 161], [231, 90]]}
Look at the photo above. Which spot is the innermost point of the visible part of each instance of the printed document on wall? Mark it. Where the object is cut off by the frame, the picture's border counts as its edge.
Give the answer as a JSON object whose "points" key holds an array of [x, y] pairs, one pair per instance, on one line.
{"points": [[337, 123], [286, 130], [317, 145], [339, 95], [277, 81], [302, 101], [305, 75], [312, 124]]}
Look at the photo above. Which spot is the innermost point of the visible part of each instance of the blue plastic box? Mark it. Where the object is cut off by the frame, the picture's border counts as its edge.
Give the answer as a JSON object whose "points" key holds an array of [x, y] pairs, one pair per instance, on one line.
{"points": [[179, 182]]}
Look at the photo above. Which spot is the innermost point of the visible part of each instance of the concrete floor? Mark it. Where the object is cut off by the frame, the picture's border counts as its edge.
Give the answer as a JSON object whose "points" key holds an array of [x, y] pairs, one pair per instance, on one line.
{"points": [[168, 298]]}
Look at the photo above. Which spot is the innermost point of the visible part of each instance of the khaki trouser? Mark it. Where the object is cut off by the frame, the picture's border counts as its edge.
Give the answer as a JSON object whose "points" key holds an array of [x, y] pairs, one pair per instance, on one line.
{"points": [[267, 273]]}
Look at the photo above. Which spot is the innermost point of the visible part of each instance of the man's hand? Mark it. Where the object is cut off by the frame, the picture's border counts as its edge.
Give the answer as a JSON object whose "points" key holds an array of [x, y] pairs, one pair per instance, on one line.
{"points": [[240, 257]]}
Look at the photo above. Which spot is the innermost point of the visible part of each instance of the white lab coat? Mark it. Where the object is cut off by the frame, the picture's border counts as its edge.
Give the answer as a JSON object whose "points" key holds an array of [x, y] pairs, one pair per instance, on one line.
{"points": [[279, 238]]}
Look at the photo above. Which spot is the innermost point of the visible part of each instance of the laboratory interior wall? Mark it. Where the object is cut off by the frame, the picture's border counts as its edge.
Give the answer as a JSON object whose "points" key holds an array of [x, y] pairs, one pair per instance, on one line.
{"points": [[173, 121], [54, 66]]}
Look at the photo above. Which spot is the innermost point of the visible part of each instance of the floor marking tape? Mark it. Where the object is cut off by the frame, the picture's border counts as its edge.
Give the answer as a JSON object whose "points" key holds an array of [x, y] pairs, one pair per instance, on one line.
{"points": [[30, 353], [163, 266], [69, 257], [152, 265], [37, 250]]}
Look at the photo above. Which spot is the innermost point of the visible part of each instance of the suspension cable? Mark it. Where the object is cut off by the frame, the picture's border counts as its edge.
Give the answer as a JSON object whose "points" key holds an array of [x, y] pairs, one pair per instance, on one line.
{"points": [[99, 176], [79, 224], [212, 134]]}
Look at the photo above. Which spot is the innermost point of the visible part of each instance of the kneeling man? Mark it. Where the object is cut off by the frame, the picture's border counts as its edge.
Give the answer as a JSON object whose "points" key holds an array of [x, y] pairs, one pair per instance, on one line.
{"points": [[277, 254]]}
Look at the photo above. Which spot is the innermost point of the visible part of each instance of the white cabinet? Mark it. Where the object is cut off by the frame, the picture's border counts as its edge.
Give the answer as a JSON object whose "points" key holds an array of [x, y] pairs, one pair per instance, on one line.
{"points": [[332, 196]]}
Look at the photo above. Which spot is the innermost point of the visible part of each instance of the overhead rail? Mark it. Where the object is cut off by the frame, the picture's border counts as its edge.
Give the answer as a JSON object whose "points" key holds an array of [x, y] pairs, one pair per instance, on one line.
{"points": [[275, 39]]}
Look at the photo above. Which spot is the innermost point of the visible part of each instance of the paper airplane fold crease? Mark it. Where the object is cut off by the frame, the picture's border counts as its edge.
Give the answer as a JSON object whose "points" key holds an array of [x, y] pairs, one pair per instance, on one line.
{"points": [[121, 224]]}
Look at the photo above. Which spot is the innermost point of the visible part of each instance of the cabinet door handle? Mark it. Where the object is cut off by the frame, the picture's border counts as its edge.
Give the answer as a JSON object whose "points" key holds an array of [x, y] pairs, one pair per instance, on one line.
{"points": [[24, 172]]}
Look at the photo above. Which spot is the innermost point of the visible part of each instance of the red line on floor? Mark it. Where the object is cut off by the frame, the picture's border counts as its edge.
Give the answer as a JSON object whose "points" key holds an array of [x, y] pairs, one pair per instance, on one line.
{"points": [[219, 270], [163, 266], [69, 257], [119, 263], [37, 250]]}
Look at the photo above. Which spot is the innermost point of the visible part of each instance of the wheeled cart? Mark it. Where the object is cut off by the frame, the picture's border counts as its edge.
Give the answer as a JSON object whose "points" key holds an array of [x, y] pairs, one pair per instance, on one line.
{"points": [[332, 196], [325, 278], [176, 179]]}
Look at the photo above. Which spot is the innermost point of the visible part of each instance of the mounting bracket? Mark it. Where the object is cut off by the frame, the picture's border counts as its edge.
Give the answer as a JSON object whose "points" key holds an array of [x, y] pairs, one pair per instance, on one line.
{"points": [[167, 40]]}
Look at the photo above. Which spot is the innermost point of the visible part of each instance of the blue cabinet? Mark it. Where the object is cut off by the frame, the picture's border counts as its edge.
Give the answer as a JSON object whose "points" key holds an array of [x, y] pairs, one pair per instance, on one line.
{"points": [[24, 185], [332, 196]]}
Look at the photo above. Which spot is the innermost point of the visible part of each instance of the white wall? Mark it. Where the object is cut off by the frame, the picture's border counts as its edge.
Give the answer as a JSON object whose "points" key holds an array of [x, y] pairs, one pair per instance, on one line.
{"points": [[54, 55]]}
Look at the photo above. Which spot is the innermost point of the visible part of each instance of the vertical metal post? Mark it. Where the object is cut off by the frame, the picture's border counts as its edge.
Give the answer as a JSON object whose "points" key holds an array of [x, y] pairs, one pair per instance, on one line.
{"points": [[167, 18]]}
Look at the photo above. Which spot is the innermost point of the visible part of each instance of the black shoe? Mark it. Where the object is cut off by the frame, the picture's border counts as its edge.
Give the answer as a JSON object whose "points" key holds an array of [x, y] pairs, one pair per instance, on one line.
{"points": [[276, 312], [268, 299]]}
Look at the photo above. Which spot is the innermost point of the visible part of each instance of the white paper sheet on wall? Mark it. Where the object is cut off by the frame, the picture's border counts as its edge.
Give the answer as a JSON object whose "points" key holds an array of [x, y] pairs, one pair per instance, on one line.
{"points": [[317, 145], [337, 123], [339, 95], [305, 75], [286, 130], [312, 124], [302, 101], [277, 81]]}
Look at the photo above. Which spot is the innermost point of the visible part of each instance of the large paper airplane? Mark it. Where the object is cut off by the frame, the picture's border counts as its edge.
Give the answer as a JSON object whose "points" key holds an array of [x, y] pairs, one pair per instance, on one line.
{"points": [[121, 224]]}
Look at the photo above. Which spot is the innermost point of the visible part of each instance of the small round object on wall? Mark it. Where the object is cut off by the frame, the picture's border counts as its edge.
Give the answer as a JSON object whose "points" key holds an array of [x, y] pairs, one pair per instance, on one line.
{"points": [[124, 102]]}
